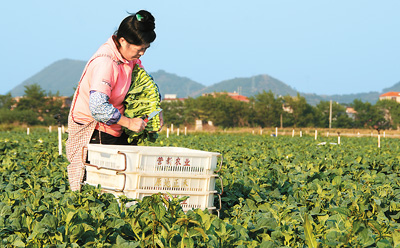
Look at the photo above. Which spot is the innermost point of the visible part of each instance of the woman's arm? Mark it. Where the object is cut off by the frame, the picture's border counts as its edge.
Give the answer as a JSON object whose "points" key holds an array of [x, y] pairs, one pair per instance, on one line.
{"points": [[105, 112], [101, 109]]}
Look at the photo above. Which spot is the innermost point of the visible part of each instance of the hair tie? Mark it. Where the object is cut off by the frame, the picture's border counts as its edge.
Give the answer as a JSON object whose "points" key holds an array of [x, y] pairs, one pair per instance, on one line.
{"points": [[139, 17]]}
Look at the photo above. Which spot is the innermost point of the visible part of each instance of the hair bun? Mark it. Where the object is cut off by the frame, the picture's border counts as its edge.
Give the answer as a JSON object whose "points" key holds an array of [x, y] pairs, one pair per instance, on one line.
{"points": [[144, 21], [137, 28]]}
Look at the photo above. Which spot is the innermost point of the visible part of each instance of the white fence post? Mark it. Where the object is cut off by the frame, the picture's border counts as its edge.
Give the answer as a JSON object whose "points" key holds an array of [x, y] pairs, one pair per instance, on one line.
{"points": [[379, 140], [59, 141]]}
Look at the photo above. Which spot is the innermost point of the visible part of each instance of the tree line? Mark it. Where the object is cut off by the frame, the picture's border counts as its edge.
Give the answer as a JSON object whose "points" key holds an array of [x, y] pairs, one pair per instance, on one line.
{"points": [[36, 107], [265, 109]]}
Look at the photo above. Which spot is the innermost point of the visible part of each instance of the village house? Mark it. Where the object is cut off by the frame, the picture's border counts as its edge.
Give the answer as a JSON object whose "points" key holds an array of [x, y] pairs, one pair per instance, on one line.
{"points": [[232, 95], [394, 96], [351, 112], [171, 97]]}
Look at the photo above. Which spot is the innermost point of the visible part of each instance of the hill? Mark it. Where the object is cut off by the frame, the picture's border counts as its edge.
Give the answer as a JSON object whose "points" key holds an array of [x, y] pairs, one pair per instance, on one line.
{"points": [[313, 99], [250, 86], [63, 76], [257, 84], [173, 84], [395, 87]]}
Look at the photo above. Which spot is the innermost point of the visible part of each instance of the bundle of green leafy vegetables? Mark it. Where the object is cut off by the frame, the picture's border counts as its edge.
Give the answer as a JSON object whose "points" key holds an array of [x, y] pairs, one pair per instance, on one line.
{"points": [[142, 99]]}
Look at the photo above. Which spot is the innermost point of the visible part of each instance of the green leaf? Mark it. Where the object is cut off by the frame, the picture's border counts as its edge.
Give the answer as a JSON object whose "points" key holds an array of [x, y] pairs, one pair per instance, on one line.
{"points": [[206, 219], [50, 221], [115, 223], [308, 233], [75, 232], [375, 226], [396, 238], [323, 218], [341, 210], [250, 203], [267, 244], [366, 237], [201, 231], [188, 242], [68, 220], [357, 225], [254, 194], [265, 223], [17, 242], [337, 180], [159, 210], [5, 210], [122, 243], [384, 243], [172, 234]]}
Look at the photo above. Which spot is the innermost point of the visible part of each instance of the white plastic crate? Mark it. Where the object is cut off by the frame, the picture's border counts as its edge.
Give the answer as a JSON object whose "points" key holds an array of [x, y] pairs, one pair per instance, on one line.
{"points": [[139, 171], [152, 159], [109, 179], [121, 181], [194, 201], [203, 200], [192, 183]]}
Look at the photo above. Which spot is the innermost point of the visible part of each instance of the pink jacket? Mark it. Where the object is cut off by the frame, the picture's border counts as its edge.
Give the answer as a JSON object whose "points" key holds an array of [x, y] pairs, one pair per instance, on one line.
{"points": [[107, 72]]}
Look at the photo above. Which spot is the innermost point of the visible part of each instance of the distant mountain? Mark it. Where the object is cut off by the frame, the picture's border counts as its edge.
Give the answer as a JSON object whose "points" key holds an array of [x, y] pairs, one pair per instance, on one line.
{"points": [[395, 88], [257, 84], [63, 76], [313, 99], [250, 86], [173, 84]]}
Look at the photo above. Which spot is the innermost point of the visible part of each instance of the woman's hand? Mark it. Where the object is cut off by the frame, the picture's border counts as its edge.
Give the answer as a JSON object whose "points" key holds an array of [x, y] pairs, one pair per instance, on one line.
{"points": [[135, 124]]}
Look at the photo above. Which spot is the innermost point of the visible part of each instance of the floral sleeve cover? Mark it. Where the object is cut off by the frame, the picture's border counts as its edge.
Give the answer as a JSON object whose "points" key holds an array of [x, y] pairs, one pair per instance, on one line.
{"points": [[101, 109]]}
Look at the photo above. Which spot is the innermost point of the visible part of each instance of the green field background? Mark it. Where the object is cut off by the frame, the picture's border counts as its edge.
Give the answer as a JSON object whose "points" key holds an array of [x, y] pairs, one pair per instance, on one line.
{"points": [[279, 191]]}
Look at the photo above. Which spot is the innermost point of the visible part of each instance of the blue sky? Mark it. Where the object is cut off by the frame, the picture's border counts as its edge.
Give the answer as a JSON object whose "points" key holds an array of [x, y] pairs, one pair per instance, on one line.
{"points": [[314, 46]]}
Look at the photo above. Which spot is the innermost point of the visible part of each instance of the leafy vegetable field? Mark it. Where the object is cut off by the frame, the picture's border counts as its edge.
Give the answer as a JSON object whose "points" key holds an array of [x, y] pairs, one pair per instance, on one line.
{"points": [[278, 192]]}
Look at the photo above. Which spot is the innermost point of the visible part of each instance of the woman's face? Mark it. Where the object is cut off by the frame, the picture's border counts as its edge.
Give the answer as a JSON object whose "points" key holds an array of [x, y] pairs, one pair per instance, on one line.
{"points": [[130, 51]]}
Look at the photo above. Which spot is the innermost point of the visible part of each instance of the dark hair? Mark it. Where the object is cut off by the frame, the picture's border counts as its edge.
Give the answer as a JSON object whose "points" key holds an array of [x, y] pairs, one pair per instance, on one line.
{"points": [[137, 29]]}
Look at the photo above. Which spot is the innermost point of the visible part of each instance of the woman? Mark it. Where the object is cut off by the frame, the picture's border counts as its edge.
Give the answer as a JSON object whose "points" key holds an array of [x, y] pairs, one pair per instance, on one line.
{"points": [[97, 110]]}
